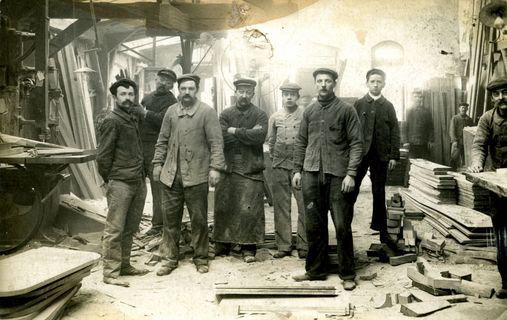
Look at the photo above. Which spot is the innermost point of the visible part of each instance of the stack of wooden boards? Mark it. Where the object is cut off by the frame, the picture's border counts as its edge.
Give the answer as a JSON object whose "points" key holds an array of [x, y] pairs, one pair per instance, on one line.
{"points": [[399, 175], [466, 225], [38, 283], [470, 195], [430, 181], [395, 214]]}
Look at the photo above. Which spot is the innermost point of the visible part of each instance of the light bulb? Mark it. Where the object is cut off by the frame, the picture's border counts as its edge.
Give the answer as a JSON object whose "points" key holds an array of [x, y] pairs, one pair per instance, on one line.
{"points": [[499, 23]]}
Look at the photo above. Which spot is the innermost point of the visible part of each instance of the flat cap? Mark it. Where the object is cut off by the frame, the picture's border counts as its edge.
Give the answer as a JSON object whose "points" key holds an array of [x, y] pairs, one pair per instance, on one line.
{"points": [[498, 83], [124, 82], [189, 76], [244, 82], [290, 87], [328, 71], [417, 91], [168, 73]]}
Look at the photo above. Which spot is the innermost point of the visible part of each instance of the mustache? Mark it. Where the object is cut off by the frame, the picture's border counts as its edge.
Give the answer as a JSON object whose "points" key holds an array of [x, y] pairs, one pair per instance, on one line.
{"points": [[498, 102]]}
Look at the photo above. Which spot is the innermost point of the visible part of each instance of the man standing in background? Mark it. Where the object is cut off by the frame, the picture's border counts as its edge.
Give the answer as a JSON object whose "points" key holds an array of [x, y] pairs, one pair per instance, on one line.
{"points": [[283, 129], [239, 196], [419, 128], [156, 104], [120, 164], [381, 147], [458, 122]]}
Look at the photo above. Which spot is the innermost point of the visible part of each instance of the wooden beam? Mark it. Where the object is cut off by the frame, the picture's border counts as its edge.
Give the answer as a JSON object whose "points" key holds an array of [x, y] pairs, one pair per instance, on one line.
{"points": [[70, 9], [68, 35], [134, 51]]}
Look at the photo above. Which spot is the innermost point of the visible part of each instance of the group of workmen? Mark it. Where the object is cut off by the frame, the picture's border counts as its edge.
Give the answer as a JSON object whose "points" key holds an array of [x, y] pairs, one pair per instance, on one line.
{"points": [[320, 154]]}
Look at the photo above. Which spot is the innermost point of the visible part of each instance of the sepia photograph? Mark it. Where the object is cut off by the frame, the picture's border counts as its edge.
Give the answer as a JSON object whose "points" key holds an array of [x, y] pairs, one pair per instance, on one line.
{"points": [[253, 159]]}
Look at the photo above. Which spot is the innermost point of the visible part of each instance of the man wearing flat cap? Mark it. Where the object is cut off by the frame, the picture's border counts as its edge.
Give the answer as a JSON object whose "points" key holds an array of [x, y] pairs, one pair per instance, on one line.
{"points": [[283, 129], [155, 105], [120, 164], [491, 137], [188, 159], [458, 123], [327, 154], [419, 128], [239, 196], [381, 147]]}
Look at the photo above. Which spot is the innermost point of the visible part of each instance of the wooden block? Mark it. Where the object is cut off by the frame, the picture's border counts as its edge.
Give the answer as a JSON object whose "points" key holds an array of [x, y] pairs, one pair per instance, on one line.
{"points": [[430, 290], [400, 245], [436, 245], [395, 215], [405, 297], [406, 258], [395, 230], [419, 309], [463, 275], [419, 295], [385, 303], [391, 223], [476, 289]]}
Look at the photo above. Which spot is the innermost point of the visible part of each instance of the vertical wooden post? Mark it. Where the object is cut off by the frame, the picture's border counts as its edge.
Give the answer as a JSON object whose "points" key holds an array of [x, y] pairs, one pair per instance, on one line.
{"points": [[41, 67]]}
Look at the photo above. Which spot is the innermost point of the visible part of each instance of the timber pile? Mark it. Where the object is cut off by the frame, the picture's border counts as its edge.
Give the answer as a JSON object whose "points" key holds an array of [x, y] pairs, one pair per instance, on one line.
{"points": [[430, 181], [466, 225], [43, 291], [470, 195], [399, 175]]}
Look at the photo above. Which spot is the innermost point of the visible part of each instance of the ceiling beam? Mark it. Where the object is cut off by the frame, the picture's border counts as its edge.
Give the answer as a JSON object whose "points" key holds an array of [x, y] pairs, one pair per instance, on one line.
{"points": [[68, 35]]}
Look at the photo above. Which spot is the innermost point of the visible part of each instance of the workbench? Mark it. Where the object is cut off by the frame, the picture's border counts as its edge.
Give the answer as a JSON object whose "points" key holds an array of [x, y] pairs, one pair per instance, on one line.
{"points": [[490, 180]]}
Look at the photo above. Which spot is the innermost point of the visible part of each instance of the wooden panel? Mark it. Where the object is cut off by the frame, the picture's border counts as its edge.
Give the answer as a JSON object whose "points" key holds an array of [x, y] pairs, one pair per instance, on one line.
{"points": [[19, 276], [490, 180]]}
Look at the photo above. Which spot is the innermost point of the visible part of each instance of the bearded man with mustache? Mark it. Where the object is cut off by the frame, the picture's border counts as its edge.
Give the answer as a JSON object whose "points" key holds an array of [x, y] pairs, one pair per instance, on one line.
{"points": [[491, 137]]}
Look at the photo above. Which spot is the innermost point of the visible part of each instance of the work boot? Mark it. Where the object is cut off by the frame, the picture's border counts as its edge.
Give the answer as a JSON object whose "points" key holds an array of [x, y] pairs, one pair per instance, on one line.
{"points": [[302, 253], [115, 282], [165, 270], [280, 254], [132, 271], [349, 284], [307, 277], [154, 231], [202, 268], [501, 294]]}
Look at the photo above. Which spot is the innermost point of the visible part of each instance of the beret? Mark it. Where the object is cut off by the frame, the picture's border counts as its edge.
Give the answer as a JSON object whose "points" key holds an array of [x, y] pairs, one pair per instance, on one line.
{"points": [[244, 82], [168, 73], [331, 72], [498, 83], [189, 76], [290, 87], [124, 83]]}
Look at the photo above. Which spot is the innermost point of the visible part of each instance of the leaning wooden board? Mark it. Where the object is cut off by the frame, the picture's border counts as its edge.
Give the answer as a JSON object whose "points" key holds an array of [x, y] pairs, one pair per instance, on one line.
{"points": [[489, 180], [33, 269]]}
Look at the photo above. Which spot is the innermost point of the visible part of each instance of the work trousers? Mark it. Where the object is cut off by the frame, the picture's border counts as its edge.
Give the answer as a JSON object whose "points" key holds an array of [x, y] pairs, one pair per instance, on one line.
{"points": [[125, 202], [499, 220], [155, 186], [282, 190], [457, 156], [378, 177], [173, 199], [321, 194]]}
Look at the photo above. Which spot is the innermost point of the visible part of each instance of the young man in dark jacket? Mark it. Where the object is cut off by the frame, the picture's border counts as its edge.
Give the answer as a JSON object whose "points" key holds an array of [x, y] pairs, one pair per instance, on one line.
{"points": [[381, 146], [120, 163]]}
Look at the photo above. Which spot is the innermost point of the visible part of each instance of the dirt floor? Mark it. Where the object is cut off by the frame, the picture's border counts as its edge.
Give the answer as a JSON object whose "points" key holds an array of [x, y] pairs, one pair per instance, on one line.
{"points": [[187, 294]]}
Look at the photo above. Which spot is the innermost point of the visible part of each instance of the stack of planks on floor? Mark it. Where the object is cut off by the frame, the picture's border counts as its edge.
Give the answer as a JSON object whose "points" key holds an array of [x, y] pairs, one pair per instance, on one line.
{"points": [[466, 225], [38, 283], [430, 181], [470, 195]]}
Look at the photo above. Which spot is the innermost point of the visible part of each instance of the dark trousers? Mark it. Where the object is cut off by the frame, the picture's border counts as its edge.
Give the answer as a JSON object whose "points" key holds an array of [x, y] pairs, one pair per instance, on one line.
{"points": [[419, 151], [173, 199], [125, 203], [499, 220], [155, 186], [321, 194], [457, 156], [378, 177], [282, 195]]}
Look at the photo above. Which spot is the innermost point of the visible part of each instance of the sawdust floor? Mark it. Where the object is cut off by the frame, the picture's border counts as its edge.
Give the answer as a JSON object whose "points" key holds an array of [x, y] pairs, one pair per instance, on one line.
{"points": [[186, 294]]}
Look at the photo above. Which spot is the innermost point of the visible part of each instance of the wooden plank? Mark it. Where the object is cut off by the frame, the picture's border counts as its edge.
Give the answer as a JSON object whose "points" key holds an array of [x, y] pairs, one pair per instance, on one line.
{"points": [[422, 296], [406, 258], [17, 275], [489, 180], [419, 309], [68, 35], [53, 311], [430, 166], [261, 309], [476, 289]]}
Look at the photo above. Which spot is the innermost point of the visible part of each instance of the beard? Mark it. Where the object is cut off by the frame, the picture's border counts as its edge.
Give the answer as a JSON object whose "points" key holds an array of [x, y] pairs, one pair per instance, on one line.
{"points": [[501, 104], [243, 101], [186, 99]]}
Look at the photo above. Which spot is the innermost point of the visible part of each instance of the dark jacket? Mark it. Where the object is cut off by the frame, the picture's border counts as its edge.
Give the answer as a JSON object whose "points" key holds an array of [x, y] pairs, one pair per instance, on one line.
{"points": [[491, 136], [243, 150], [330, 135], [458, 122], [380, 127], [195, 135], [156, 105], [120, 152]]}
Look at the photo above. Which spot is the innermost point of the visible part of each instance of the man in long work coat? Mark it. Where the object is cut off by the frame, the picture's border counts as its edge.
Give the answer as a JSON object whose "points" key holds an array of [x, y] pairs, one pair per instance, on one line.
{"points": [[239, 196]]}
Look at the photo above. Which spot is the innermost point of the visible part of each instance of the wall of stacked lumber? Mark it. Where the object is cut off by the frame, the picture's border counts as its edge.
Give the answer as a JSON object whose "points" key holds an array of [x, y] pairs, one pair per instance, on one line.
{"points": [[43, 292], [431, 182], [471, 195]]}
